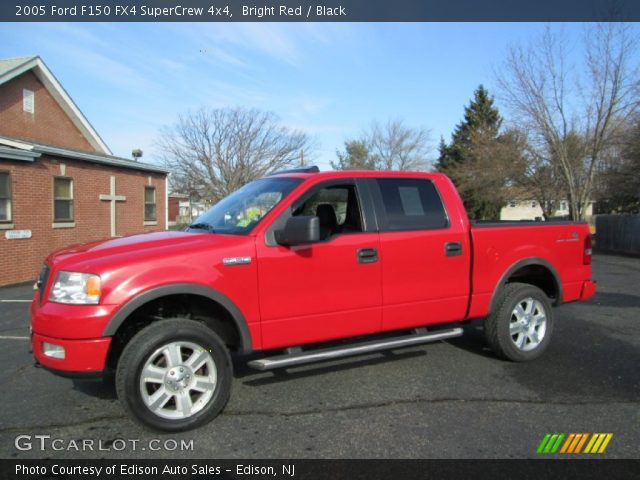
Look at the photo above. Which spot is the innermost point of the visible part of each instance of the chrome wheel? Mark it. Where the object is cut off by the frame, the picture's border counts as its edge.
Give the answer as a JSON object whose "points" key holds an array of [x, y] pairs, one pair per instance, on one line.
{"points": [[178, 380], [528, 324]]}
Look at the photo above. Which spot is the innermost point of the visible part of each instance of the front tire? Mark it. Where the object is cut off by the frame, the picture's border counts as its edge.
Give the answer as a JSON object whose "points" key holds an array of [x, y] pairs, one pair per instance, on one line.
{"points": [[520, 327], [174, 375]]}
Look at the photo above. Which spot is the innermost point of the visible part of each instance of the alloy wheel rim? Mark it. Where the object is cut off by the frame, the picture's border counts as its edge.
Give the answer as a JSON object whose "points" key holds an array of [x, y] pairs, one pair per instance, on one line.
{"points": [[178, 380], [528, 324]]}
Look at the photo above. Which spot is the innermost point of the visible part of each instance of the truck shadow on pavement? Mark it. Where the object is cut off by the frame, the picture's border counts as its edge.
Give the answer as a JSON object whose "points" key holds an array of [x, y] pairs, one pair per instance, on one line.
{"points": [[586, 362], [105, 389], [621, 300], [102, 388], [473, 340]]}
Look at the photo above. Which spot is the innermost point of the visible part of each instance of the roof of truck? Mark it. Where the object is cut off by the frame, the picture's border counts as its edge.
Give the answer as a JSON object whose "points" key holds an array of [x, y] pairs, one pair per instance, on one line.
{"points": [[314, 172]]}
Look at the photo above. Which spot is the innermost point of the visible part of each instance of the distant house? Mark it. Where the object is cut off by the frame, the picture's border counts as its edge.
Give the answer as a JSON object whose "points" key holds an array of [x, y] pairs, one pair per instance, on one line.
{"points": [[198, 208], [179, 209], [531, 210], [59, 182]]}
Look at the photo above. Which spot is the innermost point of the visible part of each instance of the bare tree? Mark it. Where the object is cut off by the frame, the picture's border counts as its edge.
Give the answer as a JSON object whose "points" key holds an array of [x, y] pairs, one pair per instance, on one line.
{"points": [[542, 182], [555, 102], [619, 179], [395, 146], [213, 152]]}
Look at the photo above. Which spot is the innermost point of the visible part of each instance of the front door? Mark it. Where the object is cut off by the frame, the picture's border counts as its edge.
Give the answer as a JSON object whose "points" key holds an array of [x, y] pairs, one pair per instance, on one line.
{"points": [[325, 290]]}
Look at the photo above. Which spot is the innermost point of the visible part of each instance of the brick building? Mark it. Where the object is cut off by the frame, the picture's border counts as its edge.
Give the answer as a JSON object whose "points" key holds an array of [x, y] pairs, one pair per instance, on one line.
{"points": [[59, 182]]}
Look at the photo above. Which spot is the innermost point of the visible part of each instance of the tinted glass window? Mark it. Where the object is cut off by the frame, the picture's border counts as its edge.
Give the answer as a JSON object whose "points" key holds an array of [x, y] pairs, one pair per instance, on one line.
{"points": [[412, 204]]}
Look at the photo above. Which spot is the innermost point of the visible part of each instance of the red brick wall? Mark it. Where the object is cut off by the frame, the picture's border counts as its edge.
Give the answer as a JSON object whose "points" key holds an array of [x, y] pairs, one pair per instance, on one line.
{"points": [[174, 208], [48, 124], [32, 198]]}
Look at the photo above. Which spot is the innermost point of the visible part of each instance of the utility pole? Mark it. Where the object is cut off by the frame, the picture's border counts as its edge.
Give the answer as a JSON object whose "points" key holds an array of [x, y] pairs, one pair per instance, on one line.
{"points": [[302, 157]]}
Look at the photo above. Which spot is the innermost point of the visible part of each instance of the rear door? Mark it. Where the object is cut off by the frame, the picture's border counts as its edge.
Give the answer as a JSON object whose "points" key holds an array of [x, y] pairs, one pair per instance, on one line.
{"points": [[424, 254], [329, 289]]}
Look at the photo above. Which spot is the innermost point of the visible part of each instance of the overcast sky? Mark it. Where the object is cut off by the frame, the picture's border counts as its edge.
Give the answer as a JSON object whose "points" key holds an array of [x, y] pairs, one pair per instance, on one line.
{"points": [[330, 80]]}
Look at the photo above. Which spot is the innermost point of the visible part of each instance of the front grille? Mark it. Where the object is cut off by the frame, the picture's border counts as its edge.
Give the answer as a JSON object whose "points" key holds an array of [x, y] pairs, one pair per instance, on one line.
{"points": [[41, 283]]}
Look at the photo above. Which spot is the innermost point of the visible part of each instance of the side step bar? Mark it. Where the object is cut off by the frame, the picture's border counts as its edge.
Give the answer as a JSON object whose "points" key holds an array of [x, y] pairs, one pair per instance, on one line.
{"points": [[299, 358]]}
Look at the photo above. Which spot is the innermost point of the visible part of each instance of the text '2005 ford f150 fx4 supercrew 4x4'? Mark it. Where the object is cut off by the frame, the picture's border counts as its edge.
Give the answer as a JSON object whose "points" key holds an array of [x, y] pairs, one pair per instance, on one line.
{"points": [[288, 263]]}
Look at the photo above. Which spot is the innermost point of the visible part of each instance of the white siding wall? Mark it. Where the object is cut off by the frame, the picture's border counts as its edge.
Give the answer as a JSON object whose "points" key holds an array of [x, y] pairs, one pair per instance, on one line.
{"points": [[530, 210]]}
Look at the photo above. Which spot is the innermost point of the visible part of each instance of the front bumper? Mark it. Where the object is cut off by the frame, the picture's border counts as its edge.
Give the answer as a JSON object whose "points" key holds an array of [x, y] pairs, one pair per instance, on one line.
{"points": [[76, 328], [80, 356]]}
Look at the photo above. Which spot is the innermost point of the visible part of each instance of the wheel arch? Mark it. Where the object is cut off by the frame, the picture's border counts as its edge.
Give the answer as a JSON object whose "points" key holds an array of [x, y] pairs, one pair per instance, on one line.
{"points": [[191, 289], [534, 271]]}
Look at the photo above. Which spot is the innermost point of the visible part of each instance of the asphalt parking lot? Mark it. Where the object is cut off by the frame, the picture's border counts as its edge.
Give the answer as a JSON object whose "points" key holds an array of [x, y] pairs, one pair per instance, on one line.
{"points": [[450, 399]]}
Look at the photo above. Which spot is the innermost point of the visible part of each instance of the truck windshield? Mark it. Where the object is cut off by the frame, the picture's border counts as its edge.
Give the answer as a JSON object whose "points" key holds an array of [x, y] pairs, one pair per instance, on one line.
{"points": [[238, 213]]}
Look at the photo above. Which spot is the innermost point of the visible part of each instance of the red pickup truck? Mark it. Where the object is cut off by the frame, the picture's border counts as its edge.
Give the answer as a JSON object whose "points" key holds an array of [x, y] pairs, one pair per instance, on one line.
{"points": [[285, 265]]}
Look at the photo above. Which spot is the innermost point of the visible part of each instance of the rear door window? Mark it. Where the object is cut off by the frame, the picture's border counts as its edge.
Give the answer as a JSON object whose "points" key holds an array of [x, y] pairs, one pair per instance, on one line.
{"points": [[411, 204]]}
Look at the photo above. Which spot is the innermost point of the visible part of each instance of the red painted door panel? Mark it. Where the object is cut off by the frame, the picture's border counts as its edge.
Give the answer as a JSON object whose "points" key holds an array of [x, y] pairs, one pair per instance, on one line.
{"points": [[421, 285], [318, 292], [425, 254]]}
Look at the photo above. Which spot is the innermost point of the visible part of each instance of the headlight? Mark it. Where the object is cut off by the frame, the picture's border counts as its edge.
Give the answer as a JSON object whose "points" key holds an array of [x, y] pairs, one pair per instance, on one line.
{"points": [[79, 288]]}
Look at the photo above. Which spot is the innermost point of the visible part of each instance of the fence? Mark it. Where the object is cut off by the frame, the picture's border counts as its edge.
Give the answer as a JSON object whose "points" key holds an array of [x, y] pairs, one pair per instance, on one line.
{"points": [[618, 234]]}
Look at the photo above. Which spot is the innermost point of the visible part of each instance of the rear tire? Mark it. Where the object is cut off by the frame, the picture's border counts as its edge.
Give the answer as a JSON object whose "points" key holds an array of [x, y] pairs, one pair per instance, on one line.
{"points": [[521, 324], [174, 375]]}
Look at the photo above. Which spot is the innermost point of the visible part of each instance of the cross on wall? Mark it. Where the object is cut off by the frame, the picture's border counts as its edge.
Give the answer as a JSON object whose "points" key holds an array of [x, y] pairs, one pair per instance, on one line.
{"points": [[113, 198]]}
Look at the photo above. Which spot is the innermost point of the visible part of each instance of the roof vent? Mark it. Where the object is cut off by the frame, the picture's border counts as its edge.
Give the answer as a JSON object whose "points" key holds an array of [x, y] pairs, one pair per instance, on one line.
{"points": [[28, 101]]}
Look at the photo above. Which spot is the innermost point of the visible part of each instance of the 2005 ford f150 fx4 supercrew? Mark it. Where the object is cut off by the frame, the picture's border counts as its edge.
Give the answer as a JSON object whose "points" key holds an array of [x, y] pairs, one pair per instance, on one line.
{"points": [[289, 262]]}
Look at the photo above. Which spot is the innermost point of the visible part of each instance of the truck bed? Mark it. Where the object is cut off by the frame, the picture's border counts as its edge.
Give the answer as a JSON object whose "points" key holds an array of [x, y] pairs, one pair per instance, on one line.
{"points": [[502, 249]]}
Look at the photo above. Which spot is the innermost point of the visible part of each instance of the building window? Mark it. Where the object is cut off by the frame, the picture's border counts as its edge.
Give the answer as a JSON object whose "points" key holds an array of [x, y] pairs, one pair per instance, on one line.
{"points": [[5, 197], [512, 204], [563, 206], [534, 204], [150, 204], [62, 199], [28, 101]]}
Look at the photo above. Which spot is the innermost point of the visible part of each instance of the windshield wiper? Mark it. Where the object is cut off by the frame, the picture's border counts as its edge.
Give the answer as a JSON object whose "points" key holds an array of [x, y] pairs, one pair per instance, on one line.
{"points": [[201, 226]]}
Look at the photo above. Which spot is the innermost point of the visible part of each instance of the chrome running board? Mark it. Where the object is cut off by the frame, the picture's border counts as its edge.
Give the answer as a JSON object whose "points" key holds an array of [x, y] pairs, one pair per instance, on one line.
{"points": [[301, 357]]}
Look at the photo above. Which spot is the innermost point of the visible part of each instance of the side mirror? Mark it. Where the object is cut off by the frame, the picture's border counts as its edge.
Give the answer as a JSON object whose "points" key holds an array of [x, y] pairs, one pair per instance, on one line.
{"points": [[299, 230]]}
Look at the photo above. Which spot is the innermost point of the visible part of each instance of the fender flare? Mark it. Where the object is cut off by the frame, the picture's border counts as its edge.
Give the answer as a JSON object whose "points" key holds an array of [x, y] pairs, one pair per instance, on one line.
{"points": [[178, 289], [525, 263]]}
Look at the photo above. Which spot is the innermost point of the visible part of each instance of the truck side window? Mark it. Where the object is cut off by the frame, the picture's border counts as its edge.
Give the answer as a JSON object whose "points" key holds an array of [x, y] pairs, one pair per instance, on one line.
{"points": [[338, 209], [412, 204]]}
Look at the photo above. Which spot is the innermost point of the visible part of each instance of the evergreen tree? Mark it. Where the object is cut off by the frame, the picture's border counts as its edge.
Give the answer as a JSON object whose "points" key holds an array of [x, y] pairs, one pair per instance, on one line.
{"points": [[445, 160], [478, 157]]}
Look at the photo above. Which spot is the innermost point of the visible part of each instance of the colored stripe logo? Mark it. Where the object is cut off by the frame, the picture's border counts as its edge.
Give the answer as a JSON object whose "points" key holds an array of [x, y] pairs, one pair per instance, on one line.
{"points": [[574, 443]]}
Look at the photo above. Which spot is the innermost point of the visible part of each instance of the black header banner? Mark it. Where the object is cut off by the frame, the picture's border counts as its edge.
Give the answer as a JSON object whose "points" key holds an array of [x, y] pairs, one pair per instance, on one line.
{"points": [[255, 469], [319, 10]]}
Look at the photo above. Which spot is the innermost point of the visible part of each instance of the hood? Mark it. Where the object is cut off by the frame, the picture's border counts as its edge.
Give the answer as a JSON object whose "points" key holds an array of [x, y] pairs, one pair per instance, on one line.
{"points": [[87, 256], [130, 265]]}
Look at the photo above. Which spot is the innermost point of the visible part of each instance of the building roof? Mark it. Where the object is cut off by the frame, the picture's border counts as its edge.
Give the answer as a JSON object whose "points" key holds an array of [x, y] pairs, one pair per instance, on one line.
{"points": [[12, 67], [9, 64], [18, 149]]}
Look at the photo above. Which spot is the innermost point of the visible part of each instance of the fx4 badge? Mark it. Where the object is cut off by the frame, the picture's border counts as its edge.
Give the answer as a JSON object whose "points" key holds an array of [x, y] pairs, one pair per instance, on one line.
{"points": [[236, 261]]}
